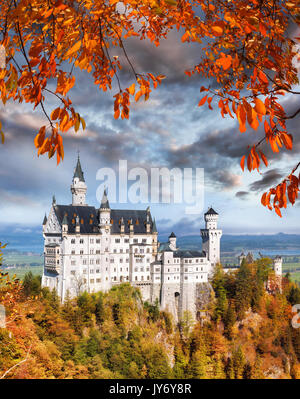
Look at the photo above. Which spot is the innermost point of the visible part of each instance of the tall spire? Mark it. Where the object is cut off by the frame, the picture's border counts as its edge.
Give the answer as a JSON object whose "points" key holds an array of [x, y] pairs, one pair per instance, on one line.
{"points": [[45, 220], [78, 171], [78, 187], [154, 229], [104, 201]]}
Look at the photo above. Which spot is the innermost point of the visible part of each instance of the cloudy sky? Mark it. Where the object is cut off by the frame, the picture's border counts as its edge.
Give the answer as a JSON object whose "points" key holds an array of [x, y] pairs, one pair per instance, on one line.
{"points": [[169, 130]]}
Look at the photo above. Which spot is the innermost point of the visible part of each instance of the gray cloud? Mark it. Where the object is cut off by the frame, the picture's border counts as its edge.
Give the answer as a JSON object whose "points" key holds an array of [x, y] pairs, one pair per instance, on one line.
{"points": [[242, 195], [269, 178]]}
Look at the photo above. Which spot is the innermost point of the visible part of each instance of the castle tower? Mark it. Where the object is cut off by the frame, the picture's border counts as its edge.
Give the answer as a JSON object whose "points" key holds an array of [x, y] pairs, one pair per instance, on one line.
{"points": [[104, 211], [211, 236], [78, 187], [154, 238], [278, 265], [172, 241]]}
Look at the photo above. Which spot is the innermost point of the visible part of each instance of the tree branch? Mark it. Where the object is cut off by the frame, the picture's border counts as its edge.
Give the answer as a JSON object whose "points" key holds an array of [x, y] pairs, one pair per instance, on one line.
{"points": [[292, 116], [16, 365]]}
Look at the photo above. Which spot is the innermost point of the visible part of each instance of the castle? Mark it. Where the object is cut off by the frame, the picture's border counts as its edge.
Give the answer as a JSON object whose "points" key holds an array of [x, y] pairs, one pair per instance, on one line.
{"points": [[90, 249]]}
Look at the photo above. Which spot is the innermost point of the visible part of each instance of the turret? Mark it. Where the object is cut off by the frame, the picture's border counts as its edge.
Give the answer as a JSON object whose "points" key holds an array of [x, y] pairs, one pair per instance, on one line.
{"points": [[77, 226], [78, 187], [211, 237], [64, 224], [148, 221], [122, 226], [154, 237], [104, 211], [172, 241], [131, 228], [277, 262], [211, 219]]}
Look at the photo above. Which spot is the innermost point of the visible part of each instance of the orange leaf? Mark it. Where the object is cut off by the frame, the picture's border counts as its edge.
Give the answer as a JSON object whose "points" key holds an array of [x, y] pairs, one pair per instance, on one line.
{"points": [[55, 113], [185, 37], [249, 162], [73, 49], [277, 210], [202, 101], [273, 144], [40, 137], [117, 114], [138, 95], [225, 61], [243, 162], [262, 77], [264, 199], [287, 140], [260, 107], [264, 158], [217, 30], [131, 89]]}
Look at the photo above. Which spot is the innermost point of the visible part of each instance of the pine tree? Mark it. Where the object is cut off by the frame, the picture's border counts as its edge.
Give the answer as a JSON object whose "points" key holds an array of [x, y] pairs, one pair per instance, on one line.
{"points": [[229, 320], [31, 284], [256, 369], [244, 289], [229, 369], [238, 362], [218, 368], [221, 304], [198, 365], [180, 364], [100, 309]]}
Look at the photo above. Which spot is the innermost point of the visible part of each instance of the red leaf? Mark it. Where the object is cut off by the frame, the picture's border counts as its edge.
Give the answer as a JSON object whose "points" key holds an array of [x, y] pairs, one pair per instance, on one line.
{"points": [[201, 102]]}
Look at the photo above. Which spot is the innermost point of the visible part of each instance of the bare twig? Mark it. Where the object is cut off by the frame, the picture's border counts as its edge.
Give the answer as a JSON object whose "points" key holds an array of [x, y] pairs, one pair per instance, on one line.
{"points": [[18, 364]]}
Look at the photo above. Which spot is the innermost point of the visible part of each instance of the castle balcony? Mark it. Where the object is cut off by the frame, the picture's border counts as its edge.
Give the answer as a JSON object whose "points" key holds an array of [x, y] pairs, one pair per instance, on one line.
{"points": [[52, 258]]}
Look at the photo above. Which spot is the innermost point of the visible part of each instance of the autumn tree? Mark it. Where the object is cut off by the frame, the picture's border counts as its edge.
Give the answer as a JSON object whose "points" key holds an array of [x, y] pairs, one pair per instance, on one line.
{"points": [[218, 286], [244, 289], [246, 58], [31, 284]]}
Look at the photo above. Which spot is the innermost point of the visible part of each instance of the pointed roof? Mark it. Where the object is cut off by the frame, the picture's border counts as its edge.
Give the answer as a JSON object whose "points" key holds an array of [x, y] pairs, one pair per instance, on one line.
{"points": [[45, 220], [65, 219], [211, 211], [104, 201], [78, 171], [154, 229], [172, 235]]}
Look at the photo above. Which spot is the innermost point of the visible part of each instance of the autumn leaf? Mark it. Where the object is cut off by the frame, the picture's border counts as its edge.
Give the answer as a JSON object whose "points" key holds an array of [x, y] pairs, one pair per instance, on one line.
{"points": [[131, 89], [217, 30], [243, 162], [245, 54], [73, 49], [259, 106], [55, 114], [202, 101]]}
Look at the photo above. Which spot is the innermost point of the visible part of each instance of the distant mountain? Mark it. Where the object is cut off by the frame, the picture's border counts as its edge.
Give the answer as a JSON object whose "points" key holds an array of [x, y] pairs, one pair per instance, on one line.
{"points": [[236, 243], [23, 240], [31, 240]]}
